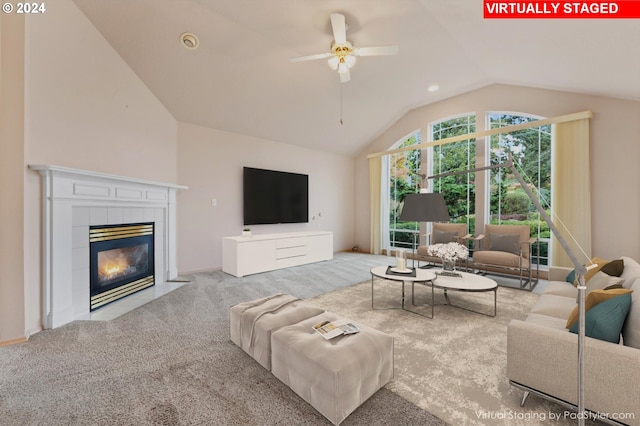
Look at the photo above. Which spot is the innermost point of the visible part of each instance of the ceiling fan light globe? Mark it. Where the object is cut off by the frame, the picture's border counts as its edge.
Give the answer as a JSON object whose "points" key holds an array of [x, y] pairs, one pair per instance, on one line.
{"points": [[333, 62], [350, 60], [342, 67]]}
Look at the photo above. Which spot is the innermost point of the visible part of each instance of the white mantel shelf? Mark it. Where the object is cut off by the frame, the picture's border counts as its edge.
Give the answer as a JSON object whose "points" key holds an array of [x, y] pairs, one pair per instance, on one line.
{"points": [[73, 200]]}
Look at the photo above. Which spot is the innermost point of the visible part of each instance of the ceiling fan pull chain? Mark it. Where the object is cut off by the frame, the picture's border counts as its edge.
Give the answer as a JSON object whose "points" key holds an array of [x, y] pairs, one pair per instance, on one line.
{"points": [[341, 123]]}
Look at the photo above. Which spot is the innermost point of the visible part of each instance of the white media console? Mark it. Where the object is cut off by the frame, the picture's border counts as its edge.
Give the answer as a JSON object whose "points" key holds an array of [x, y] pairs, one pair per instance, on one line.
{"points": [[260, 253]]}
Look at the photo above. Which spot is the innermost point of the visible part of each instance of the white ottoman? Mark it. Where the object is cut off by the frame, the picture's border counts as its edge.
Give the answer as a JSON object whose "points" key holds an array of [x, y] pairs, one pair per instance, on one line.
{"points": [[335, 376], [252, 322]]}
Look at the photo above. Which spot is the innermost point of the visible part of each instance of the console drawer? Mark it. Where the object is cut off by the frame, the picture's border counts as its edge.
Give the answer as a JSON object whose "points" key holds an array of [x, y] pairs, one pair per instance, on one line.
{"points": [[291, 242], [284, 253]]}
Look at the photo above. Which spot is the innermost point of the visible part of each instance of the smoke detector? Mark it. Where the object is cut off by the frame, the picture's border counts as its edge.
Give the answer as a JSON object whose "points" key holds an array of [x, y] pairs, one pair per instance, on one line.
{"points": [[189, 41]]}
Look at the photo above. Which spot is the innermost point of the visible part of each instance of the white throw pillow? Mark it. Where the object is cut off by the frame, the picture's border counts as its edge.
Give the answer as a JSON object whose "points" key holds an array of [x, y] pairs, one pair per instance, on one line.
{"points": [[600, 281], [631, 271]]}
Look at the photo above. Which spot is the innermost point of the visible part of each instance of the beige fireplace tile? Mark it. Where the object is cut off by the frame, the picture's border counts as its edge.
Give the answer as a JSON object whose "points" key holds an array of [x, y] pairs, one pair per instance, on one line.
{"points": [[98, 216], [115, 216], [80, 216], [80, 237]]}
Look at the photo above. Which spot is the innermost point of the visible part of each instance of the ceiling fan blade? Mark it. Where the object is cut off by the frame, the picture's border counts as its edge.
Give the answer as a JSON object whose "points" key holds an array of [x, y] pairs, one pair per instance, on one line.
{"points": [[339, 28], [376, 51], [311, 57], [345, 76]]}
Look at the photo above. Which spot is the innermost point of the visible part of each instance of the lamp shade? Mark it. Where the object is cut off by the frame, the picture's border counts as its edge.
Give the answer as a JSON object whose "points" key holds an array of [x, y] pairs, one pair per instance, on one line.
{"points": [[429, 207]]}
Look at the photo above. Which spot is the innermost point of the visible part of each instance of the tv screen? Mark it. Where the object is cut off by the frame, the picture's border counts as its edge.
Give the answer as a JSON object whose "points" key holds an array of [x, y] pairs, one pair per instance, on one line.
{"points": [[272, 196]]}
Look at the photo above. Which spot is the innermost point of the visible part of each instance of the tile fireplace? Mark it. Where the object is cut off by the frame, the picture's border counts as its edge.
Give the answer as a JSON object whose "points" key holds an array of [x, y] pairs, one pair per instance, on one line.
{"points": [[79, 208]]}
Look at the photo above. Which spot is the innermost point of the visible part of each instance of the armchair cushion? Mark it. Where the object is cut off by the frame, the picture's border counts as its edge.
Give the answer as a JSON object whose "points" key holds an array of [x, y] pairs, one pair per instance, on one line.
{"points": [[508, 243], [605, 320], [521, 231], [443, 237], [499, 258]]}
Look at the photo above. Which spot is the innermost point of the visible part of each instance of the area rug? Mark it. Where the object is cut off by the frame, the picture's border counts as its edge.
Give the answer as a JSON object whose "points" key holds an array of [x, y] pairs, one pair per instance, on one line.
{"points": [[454, 365]]}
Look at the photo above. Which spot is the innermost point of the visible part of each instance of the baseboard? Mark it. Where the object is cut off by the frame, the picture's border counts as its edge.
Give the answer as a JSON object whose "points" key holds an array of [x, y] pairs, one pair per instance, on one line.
{"points": [[13, 341], [198, 271]]}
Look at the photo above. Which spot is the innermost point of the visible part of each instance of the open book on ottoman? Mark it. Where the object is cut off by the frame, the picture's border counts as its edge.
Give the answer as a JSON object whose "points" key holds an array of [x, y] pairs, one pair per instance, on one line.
{"points": [[331, 329]]}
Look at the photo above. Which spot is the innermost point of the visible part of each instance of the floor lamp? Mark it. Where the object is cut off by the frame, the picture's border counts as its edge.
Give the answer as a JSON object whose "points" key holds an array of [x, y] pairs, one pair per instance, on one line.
{"points": [[580, 269], [423, 207]]}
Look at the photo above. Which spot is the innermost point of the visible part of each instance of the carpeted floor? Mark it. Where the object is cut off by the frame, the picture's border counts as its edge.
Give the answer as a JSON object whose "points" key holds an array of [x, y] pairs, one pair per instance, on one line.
{"points": [[170, 362]]}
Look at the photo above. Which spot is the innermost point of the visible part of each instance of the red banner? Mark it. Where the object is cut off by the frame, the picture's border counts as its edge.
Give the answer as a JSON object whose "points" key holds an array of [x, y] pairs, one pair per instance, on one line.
{"points": [[623, 9]]}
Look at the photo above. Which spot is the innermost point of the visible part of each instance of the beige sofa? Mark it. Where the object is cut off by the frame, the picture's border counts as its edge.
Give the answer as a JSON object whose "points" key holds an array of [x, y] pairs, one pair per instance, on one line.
{"points": [[542, 354]]}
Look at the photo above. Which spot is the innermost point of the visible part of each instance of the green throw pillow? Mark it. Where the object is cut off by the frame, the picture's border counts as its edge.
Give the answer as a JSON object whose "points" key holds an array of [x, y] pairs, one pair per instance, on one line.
{"points": [[571, 277], [605, 320]]}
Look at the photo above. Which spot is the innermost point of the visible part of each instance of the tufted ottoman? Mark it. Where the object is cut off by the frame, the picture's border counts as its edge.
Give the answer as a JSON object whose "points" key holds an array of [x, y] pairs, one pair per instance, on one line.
{"points": [[335, 376], [253, 322]]}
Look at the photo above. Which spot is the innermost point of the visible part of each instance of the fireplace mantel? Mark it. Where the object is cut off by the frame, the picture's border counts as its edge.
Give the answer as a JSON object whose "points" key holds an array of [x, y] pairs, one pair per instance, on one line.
{"points": [[75, 199]]}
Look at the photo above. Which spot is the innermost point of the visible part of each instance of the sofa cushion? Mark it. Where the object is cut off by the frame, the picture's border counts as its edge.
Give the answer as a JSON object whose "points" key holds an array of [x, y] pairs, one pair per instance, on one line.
{"points": [[554, 306], [631, 271], [547, 321], [613, 268], [631, 329], [593, 299], [561, 288], [605, 320]]}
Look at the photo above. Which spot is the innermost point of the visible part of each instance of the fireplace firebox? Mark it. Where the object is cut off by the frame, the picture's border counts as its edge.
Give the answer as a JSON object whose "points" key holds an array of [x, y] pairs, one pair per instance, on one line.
{"points": [[121, 261]]}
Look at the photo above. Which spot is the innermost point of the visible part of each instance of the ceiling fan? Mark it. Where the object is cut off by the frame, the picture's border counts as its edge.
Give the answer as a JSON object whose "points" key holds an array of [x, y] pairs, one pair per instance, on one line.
{"points": [[343, 54]]}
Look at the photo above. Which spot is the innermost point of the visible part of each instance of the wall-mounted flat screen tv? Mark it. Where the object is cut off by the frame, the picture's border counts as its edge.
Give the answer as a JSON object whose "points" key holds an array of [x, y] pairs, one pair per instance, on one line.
{"points": [[272, 196]]}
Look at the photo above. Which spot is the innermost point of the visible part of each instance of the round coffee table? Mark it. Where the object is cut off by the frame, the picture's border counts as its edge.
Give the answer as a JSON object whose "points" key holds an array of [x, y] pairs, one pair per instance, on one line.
{"points": [[464, 282], [420, 276]]}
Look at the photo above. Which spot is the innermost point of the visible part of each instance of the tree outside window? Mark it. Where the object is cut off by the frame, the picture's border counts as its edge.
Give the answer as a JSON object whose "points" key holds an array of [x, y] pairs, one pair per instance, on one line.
{"points": [[459, 191], [531, 152], [404, 178]]}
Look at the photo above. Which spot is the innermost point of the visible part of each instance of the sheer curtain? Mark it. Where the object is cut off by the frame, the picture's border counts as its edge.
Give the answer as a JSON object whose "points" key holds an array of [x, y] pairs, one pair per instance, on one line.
{"points": [[375, 175], [385, 199], [571, 190]]}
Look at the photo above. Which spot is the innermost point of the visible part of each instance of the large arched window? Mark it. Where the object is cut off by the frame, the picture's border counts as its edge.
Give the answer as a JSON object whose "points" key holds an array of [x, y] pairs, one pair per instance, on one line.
{"points": [[531, 152], [459, 191], [403, 176]]}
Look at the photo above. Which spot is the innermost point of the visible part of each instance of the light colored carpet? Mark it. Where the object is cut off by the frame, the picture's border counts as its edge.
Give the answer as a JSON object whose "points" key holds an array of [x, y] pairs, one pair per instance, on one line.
{"points": [[454, 365], [170, 362]]}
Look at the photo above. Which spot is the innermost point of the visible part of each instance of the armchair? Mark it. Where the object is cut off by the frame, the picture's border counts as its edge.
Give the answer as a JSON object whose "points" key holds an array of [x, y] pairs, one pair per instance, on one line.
{"points": [[507, 247], [442, 233]]}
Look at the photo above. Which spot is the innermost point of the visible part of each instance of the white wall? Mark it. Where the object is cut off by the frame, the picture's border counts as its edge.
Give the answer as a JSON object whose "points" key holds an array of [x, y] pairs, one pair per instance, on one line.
{"points": [[210, 163], [86, 109], [615, 151]]}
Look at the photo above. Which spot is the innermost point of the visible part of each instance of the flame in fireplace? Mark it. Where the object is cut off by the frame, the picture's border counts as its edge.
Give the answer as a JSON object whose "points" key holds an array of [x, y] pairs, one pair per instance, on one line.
{"points": [[117, 263], [114, 268]]}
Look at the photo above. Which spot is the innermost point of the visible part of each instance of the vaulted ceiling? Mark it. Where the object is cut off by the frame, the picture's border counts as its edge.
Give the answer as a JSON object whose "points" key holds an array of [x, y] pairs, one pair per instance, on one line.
{"points": [[240, 79]]}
